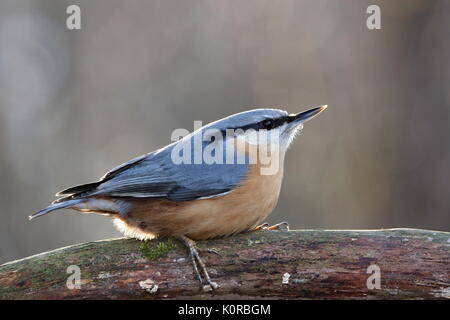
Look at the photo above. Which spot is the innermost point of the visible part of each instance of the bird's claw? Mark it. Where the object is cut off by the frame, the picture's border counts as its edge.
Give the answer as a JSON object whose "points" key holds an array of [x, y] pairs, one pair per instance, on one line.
{"points": [[213, 251], [279, 226], [210, 287], [263, 226]]}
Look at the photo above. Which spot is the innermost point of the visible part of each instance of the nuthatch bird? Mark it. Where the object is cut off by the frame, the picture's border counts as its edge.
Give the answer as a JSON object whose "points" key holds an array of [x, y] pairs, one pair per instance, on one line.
{"points": [[158, 195]]}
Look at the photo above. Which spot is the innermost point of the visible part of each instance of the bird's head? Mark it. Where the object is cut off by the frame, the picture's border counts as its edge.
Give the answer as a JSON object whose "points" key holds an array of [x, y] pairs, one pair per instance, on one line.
{"points": [[275, 123], [259, 136]]}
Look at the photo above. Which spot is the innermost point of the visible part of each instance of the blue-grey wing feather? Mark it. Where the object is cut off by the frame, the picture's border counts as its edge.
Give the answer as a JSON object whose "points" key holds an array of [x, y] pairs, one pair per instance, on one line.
{"points": [[156, 176]]}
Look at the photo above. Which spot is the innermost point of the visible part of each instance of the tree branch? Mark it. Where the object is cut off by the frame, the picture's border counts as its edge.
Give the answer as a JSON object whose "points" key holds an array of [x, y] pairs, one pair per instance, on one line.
{"points": [[312, 264]]}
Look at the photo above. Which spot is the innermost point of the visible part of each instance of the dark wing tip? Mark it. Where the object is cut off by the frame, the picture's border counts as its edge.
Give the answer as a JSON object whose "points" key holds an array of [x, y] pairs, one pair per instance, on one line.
{"points": [[78, 189]]}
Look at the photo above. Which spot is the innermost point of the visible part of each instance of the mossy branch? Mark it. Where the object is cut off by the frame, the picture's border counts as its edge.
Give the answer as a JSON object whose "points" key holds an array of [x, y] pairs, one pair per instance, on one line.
{"points": [[311, 264]]}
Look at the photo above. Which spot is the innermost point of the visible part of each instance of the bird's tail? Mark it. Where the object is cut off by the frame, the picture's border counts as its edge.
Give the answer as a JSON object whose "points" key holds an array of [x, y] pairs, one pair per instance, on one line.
{"points": [[56, 206]]}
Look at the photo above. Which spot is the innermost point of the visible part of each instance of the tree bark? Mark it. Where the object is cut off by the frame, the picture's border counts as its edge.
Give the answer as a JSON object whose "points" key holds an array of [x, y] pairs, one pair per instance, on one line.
{"points": [[300, 264]]}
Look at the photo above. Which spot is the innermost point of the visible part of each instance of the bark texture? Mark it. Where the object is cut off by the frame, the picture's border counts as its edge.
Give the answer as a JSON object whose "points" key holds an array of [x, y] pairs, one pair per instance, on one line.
{"points": [[301, 264]]}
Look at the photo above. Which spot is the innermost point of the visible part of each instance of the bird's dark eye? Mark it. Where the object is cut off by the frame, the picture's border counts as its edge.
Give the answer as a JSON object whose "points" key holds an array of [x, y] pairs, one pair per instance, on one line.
{"points": [[268, 124]]}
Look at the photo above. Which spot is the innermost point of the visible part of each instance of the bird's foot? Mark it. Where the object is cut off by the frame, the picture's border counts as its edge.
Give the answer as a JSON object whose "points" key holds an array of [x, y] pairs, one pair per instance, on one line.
{"points": [[263, 226], [195, 258], [212, 251], [279, 226]]}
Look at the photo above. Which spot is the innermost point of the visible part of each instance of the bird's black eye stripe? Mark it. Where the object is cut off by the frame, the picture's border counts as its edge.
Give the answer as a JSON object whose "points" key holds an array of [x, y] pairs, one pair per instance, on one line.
{"points": [[272, 123], [266, 124]]}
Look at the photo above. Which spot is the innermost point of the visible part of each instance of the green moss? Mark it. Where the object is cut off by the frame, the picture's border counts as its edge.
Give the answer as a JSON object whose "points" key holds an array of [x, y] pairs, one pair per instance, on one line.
{"points": [[155, 249]]}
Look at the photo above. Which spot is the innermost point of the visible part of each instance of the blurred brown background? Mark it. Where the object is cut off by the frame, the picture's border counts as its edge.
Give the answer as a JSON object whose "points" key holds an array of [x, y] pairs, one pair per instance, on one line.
{"points": [[74, 104]]}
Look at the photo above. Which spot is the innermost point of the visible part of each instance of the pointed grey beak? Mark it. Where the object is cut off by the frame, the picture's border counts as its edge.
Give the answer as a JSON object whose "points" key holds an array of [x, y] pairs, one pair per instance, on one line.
{"points": [[306, 115]]}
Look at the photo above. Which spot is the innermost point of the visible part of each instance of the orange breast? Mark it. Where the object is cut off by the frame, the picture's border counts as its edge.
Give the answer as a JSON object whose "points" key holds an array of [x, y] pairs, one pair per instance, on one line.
{"points": [[240, 210]]}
